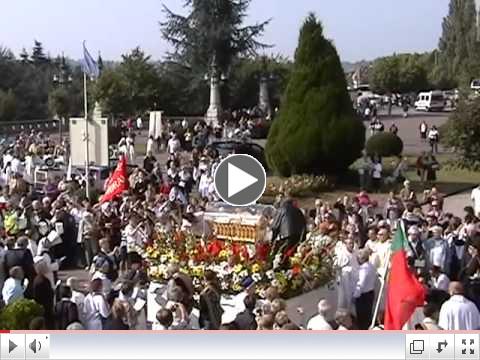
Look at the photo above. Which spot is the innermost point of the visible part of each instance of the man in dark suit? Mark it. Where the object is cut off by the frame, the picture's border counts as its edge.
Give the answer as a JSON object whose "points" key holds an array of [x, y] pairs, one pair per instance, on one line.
{"points": [[288, 228], [471, 268], [19, 255], [246, 319], [66, 311]]}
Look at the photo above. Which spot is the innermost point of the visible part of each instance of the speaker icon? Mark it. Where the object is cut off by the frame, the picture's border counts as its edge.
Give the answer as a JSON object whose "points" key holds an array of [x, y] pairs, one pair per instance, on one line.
{"points": [[35, 346]]}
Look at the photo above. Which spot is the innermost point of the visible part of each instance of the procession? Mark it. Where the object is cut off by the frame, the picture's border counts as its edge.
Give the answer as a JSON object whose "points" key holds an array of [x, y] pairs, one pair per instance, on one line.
{"points": [[112, 214]]}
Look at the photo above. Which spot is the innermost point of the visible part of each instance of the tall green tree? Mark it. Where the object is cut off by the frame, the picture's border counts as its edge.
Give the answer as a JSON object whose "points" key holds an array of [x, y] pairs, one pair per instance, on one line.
{"points": [[38, 54], [8, 106], [459, 50], [132, 87], [316, 120], [401, 73], [211, 31]]}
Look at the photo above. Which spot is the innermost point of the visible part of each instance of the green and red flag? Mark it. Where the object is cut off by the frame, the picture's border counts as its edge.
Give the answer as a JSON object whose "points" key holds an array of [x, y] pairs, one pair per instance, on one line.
{"points": [[404, 292]]}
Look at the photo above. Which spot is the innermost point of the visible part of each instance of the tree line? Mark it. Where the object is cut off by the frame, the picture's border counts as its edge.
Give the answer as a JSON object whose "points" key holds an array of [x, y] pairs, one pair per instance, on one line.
{"points": [[213, 33], [454, 64]]}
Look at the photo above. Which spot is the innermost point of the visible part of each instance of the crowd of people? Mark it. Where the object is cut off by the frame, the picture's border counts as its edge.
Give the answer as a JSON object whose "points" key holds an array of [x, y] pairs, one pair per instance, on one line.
{"points": [[59, 227]]}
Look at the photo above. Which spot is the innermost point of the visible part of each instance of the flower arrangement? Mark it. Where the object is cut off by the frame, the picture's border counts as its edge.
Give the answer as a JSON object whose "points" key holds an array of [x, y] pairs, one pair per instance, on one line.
{"points": [[300, 186], [236, 262]]}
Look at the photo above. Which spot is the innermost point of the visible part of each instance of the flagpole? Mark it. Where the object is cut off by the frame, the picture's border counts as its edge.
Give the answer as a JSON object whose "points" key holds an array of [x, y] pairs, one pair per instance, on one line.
{"points": [[87, 151], [382, 287]]}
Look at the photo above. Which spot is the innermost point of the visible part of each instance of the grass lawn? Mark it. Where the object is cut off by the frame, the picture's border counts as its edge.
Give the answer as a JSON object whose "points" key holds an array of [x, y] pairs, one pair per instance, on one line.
{"points": [[449, 181]]}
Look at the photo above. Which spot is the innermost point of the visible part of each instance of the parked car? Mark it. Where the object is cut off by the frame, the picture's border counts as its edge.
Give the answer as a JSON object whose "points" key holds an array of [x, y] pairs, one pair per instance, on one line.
{"points": [[228, 147], [430, 101]]}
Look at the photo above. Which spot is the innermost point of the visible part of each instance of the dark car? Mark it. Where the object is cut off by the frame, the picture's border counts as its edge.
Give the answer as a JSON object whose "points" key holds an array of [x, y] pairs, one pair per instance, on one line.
{"points": [[224, 148]]}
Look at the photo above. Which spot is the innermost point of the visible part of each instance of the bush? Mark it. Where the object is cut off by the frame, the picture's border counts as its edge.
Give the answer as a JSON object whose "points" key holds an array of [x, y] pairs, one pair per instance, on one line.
{"points": [[461, 132], [316, 131], [384, 144], [17, 316]]}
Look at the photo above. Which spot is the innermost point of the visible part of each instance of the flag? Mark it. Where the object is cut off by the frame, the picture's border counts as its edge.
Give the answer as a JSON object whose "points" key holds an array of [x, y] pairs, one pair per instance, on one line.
{"points": [[89, 66], [404, 293], [117, 183]]}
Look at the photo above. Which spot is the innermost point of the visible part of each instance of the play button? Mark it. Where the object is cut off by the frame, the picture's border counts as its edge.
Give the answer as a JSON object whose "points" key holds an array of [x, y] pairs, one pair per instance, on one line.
{"points": [[240, 180], [11, 346]]}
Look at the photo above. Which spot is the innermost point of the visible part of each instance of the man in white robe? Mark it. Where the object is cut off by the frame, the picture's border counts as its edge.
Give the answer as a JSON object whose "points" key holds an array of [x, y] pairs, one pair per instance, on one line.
{"points": [[459, 313], [346, 259]]}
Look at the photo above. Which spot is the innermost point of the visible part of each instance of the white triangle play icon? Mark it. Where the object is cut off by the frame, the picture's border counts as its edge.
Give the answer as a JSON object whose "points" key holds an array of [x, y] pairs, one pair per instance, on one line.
{"points": [[238, 180]]}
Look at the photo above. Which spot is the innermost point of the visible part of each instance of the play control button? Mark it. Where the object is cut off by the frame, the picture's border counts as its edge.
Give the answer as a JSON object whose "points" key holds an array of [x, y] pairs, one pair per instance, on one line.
{"points": [[240, 180]]}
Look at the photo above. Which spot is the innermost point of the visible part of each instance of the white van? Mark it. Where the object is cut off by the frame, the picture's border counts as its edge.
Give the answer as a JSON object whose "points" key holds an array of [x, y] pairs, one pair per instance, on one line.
{"points": [[430, 101]]}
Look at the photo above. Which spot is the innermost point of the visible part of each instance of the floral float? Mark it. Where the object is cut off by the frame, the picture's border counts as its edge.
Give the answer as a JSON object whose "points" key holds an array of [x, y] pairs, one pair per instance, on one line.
{"points": [[234, 262]]}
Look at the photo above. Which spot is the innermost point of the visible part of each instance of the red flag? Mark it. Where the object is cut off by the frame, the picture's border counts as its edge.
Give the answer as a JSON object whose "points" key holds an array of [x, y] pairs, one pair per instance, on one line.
{"points": [[405, 293], [117, 183]]}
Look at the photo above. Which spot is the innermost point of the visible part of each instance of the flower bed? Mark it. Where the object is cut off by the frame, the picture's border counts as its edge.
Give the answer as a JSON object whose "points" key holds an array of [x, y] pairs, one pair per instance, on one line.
{"points": [[300, 186], [236, 262]]}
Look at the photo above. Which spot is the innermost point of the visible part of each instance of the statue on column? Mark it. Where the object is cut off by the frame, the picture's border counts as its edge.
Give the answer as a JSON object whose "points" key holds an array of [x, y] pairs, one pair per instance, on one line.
{"points": [[264, 97], [214, 111]]}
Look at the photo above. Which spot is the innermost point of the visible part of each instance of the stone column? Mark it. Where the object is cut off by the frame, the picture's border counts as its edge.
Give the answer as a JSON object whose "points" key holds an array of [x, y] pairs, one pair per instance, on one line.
{"points": [[477, 13], [264, 98], [214, 111]]}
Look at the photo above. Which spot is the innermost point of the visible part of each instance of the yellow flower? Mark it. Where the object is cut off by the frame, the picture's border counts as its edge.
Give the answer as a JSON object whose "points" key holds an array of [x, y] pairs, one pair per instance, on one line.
{"points": [[256, 268], [237, 268]]}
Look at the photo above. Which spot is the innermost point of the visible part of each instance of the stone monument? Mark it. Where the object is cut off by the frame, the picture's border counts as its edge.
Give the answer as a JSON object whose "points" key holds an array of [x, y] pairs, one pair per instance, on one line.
{"points": [[264, 97], [214, 112]]}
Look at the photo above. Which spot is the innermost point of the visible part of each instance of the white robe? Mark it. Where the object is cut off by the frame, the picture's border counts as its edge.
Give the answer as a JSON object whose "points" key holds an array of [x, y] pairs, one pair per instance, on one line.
{"points": [[95, 308], [459, 313], [347, 278]]}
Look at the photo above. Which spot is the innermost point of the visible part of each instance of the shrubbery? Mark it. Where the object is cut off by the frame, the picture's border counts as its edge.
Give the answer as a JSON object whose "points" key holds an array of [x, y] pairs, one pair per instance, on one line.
{"points": [[316, 131], [384, 144], [462, 133], [18, 315]]}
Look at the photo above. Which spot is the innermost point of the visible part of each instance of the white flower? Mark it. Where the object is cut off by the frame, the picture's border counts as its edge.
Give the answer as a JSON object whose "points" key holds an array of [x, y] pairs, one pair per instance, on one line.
{"points": [[163, 258], [277, 261], [256, 277], [270, 275]]}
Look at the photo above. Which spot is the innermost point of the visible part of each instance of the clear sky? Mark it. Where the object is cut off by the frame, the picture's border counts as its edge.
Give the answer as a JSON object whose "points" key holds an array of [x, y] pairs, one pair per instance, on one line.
{"points": [[361, 29]]}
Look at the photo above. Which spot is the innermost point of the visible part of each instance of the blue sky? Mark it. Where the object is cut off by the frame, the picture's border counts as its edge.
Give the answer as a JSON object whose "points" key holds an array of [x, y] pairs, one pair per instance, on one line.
{"points": [[361, 29]]}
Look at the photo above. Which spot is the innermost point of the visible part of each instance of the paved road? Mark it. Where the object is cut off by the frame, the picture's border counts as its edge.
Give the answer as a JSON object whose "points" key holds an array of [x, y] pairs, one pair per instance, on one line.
{"points": [[408, 129], [455, 204]]}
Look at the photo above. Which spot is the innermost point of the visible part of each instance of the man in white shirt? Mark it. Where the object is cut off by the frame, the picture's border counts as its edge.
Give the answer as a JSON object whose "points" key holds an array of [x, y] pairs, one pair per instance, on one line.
{"points": [[439, 280], [476, 200], [364, 293], [174, 145], [459, 313], [319, 321]]}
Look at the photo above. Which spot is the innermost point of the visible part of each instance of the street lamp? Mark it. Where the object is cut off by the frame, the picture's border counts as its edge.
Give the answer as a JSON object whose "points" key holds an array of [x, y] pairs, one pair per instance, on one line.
{"points": [[214, 112], [62, 79]]}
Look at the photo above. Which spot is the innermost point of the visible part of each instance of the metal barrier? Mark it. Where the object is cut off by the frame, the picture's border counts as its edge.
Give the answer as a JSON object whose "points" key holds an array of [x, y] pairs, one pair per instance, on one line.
{"points": [[13, 128]]}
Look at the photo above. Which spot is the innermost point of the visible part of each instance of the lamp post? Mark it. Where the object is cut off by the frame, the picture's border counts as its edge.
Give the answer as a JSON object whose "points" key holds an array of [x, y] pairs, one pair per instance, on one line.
{"points": [[62, 79], [214, 112], [477, 16]]}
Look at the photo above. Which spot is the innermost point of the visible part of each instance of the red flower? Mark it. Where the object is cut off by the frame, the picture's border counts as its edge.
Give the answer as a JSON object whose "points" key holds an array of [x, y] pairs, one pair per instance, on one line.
{"points": [[296, 269], [240, 250], [262, 251], [214, 248], [290, 251]]}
